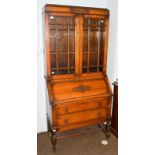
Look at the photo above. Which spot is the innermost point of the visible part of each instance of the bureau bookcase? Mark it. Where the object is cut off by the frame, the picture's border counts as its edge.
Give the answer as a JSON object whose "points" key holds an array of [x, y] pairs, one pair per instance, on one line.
{"points": [[76, 42]]}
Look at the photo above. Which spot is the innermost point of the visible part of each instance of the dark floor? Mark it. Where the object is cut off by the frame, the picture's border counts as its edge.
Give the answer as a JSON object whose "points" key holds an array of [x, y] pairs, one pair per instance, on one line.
{"points": [[87, 144]]}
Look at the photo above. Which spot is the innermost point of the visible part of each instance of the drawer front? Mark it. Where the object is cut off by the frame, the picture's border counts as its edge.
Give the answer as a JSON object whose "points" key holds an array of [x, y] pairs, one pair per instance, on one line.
{"points": [[81, 106], [81, 116]]}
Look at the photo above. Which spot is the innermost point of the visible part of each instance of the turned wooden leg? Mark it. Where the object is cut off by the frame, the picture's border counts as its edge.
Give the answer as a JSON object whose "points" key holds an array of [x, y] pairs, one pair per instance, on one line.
{"points": [[48, 127], [107, 127], [54, 139], [99, 125]]}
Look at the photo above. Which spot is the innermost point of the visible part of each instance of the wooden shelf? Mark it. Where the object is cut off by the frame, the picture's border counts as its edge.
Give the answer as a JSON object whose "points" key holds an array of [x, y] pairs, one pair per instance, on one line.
{"points": [[94, 25], [91, 66], [62, 24], [71, 67], [86, 52], [53, 29], [63, 53]]}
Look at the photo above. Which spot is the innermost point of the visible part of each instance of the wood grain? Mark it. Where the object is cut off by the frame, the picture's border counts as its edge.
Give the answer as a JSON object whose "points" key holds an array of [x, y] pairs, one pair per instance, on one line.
{"points": [[81, 106]]}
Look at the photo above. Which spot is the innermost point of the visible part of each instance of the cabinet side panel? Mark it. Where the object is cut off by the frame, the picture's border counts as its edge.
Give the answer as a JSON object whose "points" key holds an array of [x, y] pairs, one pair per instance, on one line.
{"points": [[47, 38], [106, 43], [48, 105], [77, 40], [80, 43]]}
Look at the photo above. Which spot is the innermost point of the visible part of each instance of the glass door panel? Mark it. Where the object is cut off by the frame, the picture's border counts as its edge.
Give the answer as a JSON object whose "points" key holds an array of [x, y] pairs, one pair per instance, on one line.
{"points": [[62, 44], [93, 45]]}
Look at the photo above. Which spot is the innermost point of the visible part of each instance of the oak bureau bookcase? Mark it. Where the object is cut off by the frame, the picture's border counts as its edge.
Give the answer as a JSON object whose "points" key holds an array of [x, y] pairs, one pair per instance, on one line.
{"points": [[76, 41]]}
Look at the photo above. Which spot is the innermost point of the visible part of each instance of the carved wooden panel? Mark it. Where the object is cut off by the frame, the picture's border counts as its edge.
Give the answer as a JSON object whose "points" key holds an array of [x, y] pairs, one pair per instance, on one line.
{"points": [[81, 88]]}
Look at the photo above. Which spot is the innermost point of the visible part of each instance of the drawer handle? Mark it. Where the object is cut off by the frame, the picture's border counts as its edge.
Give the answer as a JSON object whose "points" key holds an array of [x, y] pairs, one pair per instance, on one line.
{"points": [[66, 109], [99, 104], [66, 121]]}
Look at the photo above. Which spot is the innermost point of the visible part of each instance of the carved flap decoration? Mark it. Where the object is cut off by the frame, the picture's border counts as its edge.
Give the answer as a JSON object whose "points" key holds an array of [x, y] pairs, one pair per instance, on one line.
{"points": [[81, 88]]}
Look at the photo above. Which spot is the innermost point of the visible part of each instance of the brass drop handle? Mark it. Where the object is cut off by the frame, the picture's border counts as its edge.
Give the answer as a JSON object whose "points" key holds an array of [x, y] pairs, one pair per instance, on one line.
{"points": [[66, 120], [99, 104], [66, 109]]}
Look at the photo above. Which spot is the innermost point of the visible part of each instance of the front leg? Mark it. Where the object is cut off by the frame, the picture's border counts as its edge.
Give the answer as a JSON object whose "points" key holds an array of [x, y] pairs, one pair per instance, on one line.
{"points": [[48, 127], [107, 127], [54, 139]]}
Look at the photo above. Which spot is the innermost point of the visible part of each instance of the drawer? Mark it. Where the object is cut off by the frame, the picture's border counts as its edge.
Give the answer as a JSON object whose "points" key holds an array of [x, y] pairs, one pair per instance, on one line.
{"points": [[81, 106], [81, 116]]}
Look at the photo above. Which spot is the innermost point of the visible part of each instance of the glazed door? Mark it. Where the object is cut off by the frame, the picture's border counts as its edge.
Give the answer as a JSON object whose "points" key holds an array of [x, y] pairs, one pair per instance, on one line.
{"points": [[93, 44], [76, 43], [61, 44]]}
